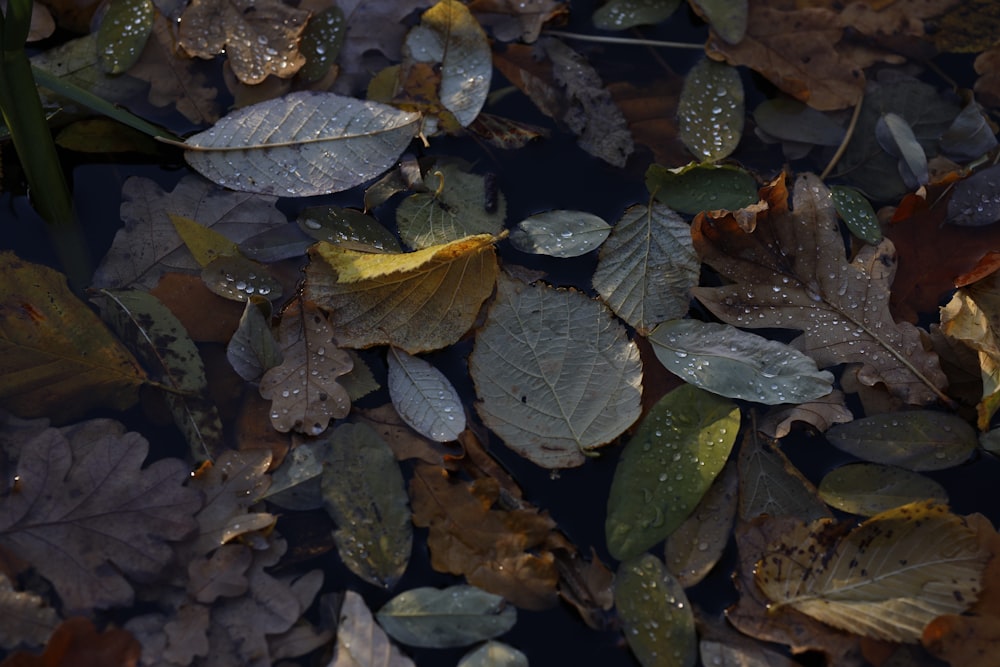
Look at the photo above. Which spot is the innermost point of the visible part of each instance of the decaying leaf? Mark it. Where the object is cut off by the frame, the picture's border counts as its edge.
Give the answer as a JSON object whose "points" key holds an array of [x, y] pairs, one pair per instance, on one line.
{"points": [[442, 618], [360, 641], [973, 317], [77, 641], [303, 389], [771, 485], [28, 620], [821, 414], [791, 273], [887, 578]]}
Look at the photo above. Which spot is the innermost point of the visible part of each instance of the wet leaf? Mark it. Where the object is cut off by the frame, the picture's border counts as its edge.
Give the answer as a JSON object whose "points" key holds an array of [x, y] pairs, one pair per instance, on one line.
{"points": [[656, 615], [112, 519], [405, 442], [443, 618], [869, 488], [276, 244], [887, 578], [710, 110], [972, 318], [76, 63], [722, 646], [702, 187], [347, 228], [28, 619], [424, 397], [857, 213], [624, 14], [560, 233], [159, 339], [821, 414], [974, 201], [737, 364], [239, 279], [76, 641], [666, 468], [494, 654], [258, 37], [452, 209], [123, 32], [417, 301], [970, 135], [841, 307], [728, 18], [896, 138], [555, 374], [314, 150], [205, 244], [321, 43], [296, 484], [360, 641], [647, 267], [57, 356], [253, 350], [364, 493], [771, 485], [788, 119], [916, 440], [304, 392]]}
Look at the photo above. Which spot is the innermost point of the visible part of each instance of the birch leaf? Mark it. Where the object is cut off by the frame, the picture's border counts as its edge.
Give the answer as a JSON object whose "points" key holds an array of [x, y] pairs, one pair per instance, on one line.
{"points": [[424, 397], [733, 363], [647, 267], [916, 440], [791, 273], [886, 579], [302, 144], [560, 233], [555, 374], [443, 618], [303, 389], [417, 301]]}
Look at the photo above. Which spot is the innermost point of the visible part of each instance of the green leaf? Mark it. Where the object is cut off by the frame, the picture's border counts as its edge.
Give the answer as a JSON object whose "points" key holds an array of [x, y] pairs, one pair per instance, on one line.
{"points": [[302, 144], [252, 350], [710, 110], [494, 654], [857, 213], [697, 545], [239, 279], [870, 488], [321, 42], [444, 618], [560, 233], [738, 364], [728, 18], [696, 188], [424, 397], [347, 228], [123, 33], [364, 493], [655, 613], [624, 14], [916, 440], [666, 468], [555, 374], [647, 267]]}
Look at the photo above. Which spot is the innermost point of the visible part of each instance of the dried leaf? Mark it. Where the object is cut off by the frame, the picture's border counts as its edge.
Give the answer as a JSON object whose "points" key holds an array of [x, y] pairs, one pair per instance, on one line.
{"points": [[869, 488], [916, 440], [303, 389], [973, 317], [424, 397], [821, 414], [791, 273], [28, 619], [360, 641], [77, 642], [494, 654]]}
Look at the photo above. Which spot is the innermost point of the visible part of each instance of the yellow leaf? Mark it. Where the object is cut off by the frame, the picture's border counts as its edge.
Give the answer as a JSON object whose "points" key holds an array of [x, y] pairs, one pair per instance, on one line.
{"points": [[887, 578], [205, 244], [57, 359], [973, 317], [417, 301]]}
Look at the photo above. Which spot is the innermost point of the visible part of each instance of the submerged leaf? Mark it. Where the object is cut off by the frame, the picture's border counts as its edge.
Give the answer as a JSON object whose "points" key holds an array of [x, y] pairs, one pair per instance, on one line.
{"points": [[870, 488], [771, 485], [710, 110], [443, 618], [657, 618], [560, 233], [424, 397]]}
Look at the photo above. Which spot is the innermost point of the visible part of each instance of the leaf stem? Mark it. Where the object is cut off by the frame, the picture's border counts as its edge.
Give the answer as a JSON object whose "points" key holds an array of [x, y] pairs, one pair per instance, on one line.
{"points": [[631, 41], [842, 148]]}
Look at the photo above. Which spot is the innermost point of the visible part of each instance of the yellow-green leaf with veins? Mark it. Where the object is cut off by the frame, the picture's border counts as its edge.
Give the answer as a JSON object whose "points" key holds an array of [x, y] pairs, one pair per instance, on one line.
{"points": [[204, 243]]}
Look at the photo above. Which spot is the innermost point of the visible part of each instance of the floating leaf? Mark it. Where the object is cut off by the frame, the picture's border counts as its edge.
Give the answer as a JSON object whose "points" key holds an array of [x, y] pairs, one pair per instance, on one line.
{"points": [[697, 544], [297, 484], [56, 356], [896, 137], [728, 18], [975, 200], [364, 493], [886, 579], [123, 33], [624, 14], [239, 279], [657, 618], [417, 301], [710, 110], [301, 145], [916, 440], [347, 228], [560, 233], [857, 213], [28, 620], [869, 488], [424, 397], [453, 209], [555, 374], [443, 618], [204, 243], [252, 350], [303, 389], [494, 654], [788, 119], [737, 364], [276, 244], [360, 641], [696, 188], [321, 42], [771, 485], [821, 414], [666, 468], [971, 317], [647, 267], [970, 135]]}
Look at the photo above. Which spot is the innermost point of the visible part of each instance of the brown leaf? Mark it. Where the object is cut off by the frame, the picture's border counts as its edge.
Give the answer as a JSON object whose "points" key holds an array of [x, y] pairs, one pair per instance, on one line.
{"points": [[76, 643], [188, 299], [988, 84], [588, 585], [259, 37], [791, 273], [404, 441], [821, 414], [27, 619], [651, 112]]}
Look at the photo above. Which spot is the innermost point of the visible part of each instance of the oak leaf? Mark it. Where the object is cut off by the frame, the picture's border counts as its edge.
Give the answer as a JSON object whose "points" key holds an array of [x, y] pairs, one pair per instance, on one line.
{"points": [[791, 273]]}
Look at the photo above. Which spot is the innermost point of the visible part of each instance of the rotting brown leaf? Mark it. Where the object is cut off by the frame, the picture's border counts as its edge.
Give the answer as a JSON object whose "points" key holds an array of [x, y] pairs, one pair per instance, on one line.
{"points": [[77, 643]]}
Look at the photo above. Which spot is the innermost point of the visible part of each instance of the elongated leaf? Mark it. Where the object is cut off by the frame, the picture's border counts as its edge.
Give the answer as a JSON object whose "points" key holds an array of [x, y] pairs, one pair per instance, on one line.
{"points": [[442, 618], [123, 33], [647, 267], [896, 137], [710, 110], [624, 14], [972, 318], [870, 488], [887, 578], [321, 42], [771, 485], [348, 228], [728, 18], [917, 440], [302, 144], [494, 654], [239, 279], [360, 641], [418, 301], [667, 467], [560, 233], [790, 120], [857, 214], [737, 364], [204, 243], [424, 397], [701, 187], [697, 544], [363, 491], [555, 374], [252, 350], [657, 618]]}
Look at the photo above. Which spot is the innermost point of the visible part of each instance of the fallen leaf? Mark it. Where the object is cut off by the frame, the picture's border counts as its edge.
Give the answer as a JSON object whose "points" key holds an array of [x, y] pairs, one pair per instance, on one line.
{"points": [[651, 114], [510, 20], [189, 299], [405, 442], [870, 488], [693, 188], [252, 349], [560, 233], [821, 414], [28, 619], [444, 618], [360, 641], [710, 110], [624, 14], [987, 86], [791, 273], [770, 485], [77, 643], [424, 397], [494, 654], [973, 317], [123, 32]]}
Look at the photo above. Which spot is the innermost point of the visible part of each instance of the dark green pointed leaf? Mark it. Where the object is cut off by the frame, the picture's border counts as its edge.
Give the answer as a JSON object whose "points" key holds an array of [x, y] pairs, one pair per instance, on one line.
{"points": [[696, 188], [560, 233], [363, 491], [321, 42], [655, 613], [728, 18], [253, 350], [857, 213], [347, 228], [734, 363], [239, 279], [916, 440], [667, 466], [624, 14], [443, 618], [123, 33], [710, 111], [870, 488]]}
